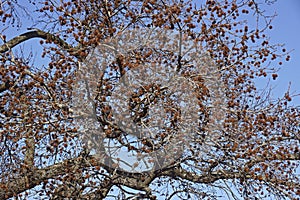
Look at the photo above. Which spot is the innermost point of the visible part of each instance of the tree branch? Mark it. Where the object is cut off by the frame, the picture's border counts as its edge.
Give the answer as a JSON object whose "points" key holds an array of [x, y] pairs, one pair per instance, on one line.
{"points": [[30, 35], [138, 181], [33, 34], [204, 178], [36, 176]]}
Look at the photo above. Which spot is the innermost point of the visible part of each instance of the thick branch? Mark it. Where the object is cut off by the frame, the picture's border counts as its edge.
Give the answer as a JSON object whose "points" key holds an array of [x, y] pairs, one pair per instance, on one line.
{"points": [[30, 151], [139, 181], [27, 181], [196, 178], [33, 34]]}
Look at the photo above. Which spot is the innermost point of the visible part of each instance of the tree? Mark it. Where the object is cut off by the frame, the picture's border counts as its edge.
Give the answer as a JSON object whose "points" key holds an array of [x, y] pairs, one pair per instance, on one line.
{"points": [[244, 146]]}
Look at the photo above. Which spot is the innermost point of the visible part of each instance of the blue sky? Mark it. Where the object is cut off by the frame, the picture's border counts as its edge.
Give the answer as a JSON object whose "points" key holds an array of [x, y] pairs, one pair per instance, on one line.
{"points": [[287, 31]]}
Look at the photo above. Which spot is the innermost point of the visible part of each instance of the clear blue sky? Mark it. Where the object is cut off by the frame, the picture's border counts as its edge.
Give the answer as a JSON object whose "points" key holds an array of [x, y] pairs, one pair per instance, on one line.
{"points": [[287, 31]]}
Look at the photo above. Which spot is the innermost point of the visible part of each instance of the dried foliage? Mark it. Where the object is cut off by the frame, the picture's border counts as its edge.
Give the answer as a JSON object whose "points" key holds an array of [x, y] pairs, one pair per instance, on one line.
{"points": [[254, 156]]}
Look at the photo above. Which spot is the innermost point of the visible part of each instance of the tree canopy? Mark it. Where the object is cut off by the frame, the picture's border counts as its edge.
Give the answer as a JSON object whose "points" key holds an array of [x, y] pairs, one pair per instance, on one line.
{"points": [[143, 99]]}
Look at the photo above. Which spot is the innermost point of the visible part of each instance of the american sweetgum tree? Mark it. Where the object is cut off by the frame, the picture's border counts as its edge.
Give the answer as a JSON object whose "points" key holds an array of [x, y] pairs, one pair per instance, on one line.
{"points": [[241, 142]]}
